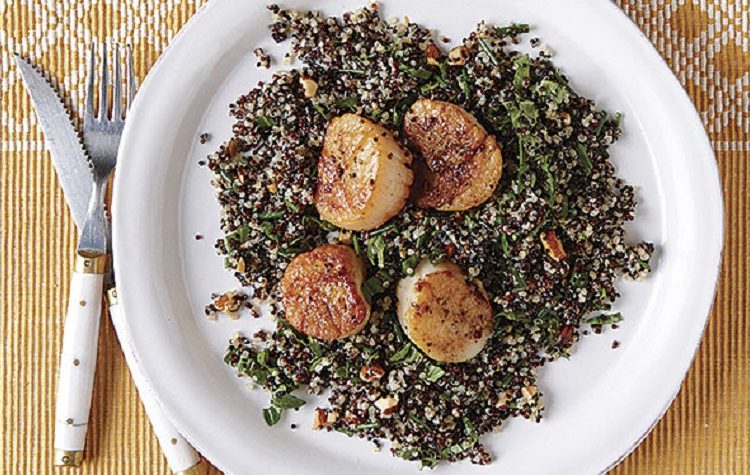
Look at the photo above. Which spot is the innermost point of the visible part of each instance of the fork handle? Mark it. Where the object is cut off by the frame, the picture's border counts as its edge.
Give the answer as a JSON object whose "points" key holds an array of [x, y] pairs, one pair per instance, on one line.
{"points": [[181, 457], [78, 359]]}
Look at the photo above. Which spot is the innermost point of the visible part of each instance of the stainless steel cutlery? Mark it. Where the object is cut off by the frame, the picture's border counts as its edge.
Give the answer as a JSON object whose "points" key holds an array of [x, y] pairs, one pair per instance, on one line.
{"points": [[84, 180]]}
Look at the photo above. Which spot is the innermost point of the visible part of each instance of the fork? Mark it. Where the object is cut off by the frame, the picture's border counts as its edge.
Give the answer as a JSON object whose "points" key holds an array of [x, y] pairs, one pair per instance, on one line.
{"points": [[101, 137], [81, 331]]}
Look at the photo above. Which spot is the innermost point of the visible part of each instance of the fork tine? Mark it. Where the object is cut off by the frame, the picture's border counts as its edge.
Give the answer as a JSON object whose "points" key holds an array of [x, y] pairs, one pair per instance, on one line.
{"points": [[103, 84], [89, 109], [117, 87], [131, 77]]}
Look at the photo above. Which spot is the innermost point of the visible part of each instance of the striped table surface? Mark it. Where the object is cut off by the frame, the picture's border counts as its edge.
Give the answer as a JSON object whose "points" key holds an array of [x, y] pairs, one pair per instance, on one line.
{"points": [[707, 428]]}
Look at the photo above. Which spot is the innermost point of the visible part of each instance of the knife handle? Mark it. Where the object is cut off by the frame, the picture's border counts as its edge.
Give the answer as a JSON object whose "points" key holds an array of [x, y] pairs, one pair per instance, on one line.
{"points": [[180, 455], [78, 359]]}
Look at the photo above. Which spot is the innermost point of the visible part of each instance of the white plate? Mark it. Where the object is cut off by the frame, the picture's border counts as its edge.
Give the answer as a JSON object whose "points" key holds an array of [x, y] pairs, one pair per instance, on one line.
{"points": [[600, 403]]}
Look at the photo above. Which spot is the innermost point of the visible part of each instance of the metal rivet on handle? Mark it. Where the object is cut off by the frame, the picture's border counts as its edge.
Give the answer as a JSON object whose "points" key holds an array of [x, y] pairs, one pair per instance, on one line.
{"points": [[174, 441], [82, 303], [69, 421], [76, 362]]}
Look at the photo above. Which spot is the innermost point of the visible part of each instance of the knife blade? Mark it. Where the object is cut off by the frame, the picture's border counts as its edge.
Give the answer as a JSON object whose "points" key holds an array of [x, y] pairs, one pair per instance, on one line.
{"points": [[62, 140]]}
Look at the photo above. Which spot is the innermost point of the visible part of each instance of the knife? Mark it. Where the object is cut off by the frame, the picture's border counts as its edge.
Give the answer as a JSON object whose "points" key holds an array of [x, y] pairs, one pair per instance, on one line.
{"points": [[80, 339]]}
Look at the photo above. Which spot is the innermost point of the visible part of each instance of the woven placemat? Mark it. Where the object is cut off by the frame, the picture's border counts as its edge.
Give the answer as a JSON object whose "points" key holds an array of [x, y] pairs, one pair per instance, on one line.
{"points": [[707, 428]]}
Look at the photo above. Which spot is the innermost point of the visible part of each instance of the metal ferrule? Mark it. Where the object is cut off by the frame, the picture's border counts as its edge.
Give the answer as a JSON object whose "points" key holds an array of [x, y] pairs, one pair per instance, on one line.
{"points": [[92, 265], [197, 469], [112, 296], [68, 458]]}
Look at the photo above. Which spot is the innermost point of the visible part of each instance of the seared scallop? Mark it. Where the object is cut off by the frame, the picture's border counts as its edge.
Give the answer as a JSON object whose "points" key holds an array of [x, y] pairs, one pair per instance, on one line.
{"points": [[461, 163], [322, 293], [448, 318], [364, 176]]}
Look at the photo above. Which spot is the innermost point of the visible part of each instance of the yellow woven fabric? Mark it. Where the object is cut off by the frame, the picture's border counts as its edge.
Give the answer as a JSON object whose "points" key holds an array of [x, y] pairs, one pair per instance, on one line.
{"points": [[706, 430]]}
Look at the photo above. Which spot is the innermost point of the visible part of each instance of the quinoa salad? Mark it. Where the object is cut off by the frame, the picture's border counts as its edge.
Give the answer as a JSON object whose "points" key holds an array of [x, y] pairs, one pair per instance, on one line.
{"points": [[545, 249]]}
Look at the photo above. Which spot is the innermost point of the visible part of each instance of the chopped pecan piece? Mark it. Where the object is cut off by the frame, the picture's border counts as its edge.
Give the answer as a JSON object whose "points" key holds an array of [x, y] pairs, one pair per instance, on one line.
{"points": [[387, 405], [433, 54], [309, 86], [529, 392], [229, 303], [457, 56], [371, 373], [320, 419], [553, 245], [233, 147]]}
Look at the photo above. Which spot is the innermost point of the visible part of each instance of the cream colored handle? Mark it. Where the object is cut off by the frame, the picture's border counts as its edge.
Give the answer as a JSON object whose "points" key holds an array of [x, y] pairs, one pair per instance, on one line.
{"points": [[78, 361], [180, 455]]}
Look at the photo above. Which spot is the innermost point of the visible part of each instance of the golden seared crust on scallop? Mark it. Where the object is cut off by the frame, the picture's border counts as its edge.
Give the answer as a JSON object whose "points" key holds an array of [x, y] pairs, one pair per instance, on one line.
{"points": [[447, 318], [461, 163], [322, 293], [364, 176]]}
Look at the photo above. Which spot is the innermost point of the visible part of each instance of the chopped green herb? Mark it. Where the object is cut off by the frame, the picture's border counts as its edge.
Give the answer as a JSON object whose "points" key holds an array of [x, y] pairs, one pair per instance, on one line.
{"points": [[512, 30], [520, 281], [434, 373], [463, 80], [618, 119], [471, 431], [443, 69], [523, 167], [549, 181], [314, 346], [291, 206], [425, 88], [321, 110], [488, 51], [355, 243], [241, 234], [600, 127], [401, 107], [271, 215], [513, 316], [407, 354], [383, 230], [421, 422], [605, 319], [583, 156], [407, 267], [504, 245], [372, 286], [288, 401], [522, 65], [368, 425], [261, 357], [644, 264], [376, 251], [267, 229], [406, 454], [528, 109], [416, 72], [352, 71], [428, 462], [348, 102], [552, 90], [264, 122], [271, 415]]}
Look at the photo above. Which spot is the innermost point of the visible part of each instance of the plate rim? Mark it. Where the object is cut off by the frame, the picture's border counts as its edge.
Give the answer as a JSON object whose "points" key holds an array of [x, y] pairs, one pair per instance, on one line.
{"points": [[684, 102]]}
